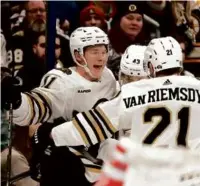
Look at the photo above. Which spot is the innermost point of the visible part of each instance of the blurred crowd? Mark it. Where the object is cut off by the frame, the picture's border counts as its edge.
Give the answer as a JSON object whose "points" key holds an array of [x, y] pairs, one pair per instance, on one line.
{"points": [[24, 40]]}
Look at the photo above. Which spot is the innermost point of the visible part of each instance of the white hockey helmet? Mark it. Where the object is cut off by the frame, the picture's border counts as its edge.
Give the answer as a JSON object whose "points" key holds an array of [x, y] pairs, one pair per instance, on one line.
{"points": [[132, 61], [163, 53], [86, 36]]}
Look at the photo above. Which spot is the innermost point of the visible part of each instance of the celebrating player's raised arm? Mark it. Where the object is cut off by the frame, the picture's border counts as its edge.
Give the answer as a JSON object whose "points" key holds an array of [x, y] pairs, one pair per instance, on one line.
{"points": [[62, 90], [42, 103]]}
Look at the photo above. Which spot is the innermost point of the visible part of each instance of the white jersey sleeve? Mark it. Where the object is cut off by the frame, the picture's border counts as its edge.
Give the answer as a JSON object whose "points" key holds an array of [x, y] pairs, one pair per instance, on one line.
{"points": [[43, 103], [63, 94], [91, 127]]}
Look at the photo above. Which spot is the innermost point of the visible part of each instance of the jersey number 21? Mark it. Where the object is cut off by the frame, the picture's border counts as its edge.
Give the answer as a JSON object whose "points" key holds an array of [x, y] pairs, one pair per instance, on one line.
{"points": [[182, 115]]}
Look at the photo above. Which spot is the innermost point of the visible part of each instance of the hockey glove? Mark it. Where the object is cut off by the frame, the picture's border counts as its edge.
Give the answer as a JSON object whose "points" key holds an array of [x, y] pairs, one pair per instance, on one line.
{"points": [[42, 145], [41, 139], [40, 142], [10, 89]]}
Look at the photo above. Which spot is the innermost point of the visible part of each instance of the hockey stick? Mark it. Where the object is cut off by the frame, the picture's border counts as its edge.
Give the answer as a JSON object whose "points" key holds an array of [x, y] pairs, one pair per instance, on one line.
{"points": [[10, 124], [17, 177]]}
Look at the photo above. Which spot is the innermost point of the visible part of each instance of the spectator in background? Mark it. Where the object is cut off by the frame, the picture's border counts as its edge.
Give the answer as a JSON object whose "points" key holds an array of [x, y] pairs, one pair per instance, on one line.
{"points": [[34, 69], [127, 29], [19, 44], [93, 16], [39, 47], [35, 15], [108, 7], [127, 26]]}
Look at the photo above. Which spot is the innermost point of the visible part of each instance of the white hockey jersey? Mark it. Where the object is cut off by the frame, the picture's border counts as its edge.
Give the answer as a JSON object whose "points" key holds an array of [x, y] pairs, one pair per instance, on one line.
{"points": [[164, 111], [61, 94]]}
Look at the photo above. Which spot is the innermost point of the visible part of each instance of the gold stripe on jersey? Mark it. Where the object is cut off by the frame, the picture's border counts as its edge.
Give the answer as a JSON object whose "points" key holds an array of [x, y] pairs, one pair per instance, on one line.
{"points": [[35, 101], [93, 168], [46, 106], [81, 132], [97, 138], [105, 120], [46, 100], [95, 125], [42, 94], [41, 105], [32, 111], [96, 170], [98, 123], [84, 129]]}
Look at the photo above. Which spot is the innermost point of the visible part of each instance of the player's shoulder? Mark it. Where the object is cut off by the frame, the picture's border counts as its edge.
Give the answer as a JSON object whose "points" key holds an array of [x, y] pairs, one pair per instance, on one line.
{"points": [[58, 75], [166, 81], [185, 81], [140, 85], [69, 76], [62, 72], [160, 82], [107, 74], [60, 79]]}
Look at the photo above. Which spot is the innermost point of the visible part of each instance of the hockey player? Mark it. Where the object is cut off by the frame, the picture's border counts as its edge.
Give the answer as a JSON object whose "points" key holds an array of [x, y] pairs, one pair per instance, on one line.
{"points": [[162, 111], [163, 60], [64, 93], [143, 165], [131, 65], [72, 90]]}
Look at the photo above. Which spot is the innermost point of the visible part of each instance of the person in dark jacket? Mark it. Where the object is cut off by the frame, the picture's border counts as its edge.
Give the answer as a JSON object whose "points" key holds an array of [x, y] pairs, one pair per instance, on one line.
{"points": [[127, 28]]}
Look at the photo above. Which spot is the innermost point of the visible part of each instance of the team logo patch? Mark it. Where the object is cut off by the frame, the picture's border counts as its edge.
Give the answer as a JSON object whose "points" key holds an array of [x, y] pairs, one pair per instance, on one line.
{"points": [[132, 8], [66, 71]]}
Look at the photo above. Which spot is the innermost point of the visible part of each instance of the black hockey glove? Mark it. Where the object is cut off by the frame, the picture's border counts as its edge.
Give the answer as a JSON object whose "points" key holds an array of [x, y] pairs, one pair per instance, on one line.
{"points": [[41, 139], [42, 146], [10, 89]]}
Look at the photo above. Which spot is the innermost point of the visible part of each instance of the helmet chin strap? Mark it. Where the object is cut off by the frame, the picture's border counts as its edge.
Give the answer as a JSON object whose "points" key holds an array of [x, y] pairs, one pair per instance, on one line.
{"points": [[85, 66]]}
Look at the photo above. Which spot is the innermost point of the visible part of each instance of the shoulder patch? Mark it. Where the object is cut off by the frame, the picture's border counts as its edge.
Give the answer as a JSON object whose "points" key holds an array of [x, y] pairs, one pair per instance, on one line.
{"points": [[65, 70]]}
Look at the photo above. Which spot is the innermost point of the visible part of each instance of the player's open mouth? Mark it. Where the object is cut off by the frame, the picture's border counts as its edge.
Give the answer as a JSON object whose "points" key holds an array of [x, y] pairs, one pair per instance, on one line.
{"points": [[98, 66]]}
